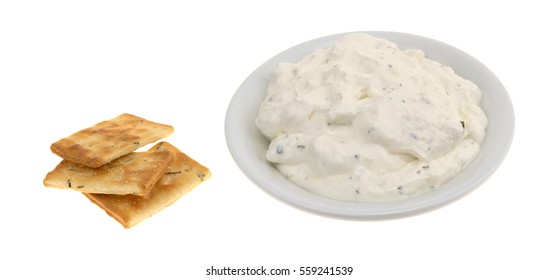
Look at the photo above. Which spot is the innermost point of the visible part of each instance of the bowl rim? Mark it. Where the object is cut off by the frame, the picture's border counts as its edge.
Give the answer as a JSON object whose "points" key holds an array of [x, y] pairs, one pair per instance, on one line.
{"points": [[243, 144]]}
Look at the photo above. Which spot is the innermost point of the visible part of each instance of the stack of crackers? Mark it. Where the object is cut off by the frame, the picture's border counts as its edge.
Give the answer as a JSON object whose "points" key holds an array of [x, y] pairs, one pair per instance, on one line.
{"points": [[102, 163]]}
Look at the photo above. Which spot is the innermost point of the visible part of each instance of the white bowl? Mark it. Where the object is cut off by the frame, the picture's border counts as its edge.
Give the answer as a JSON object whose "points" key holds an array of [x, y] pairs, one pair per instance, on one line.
{"points": [[248, 146]]}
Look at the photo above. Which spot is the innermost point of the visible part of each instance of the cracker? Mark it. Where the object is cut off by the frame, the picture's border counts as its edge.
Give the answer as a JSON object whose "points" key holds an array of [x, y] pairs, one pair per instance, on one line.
{"points": [[108, 140], [135, 173], [183, 175]]}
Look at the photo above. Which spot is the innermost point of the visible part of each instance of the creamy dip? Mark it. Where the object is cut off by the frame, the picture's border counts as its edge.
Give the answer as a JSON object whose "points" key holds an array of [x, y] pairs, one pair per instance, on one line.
{"points": [[363, 120]]}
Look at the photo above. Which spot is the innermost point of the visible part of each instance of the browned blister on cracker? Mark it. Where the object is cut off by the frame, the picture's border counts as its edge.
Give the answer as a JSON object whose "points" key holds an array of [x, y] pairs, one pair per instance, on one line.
{"points": [[109, 140], [183, 175], [134, 173]]}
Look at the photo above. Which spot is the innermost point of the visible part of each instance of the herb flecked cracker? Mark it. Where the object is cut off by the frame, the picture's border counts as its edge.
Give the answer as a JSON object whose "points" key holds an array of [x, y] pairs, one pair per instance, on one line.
{"points": [[183, 175], [135, 173], [110, 139]]}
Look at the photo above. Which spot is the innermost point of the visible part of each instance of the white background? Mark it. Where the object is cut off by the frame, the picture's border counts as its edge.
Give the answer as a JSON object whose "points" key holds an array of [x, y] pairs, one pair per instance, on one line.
{"points": [[65, 65]]}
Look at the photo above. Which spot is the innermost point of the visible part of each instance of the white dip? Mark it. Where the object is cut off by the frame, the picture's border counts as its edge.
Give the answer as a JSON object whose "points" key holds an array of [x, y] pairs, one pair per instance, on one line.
{"points": [[365, 121]]}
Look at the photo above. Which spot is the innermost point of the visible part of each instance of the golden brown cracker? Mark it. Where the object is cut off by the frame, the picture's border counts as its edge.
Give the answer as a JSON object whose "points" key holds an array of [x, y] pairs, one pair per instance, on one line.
{"points": [[110, 139], [135, 173], [183, 175]]}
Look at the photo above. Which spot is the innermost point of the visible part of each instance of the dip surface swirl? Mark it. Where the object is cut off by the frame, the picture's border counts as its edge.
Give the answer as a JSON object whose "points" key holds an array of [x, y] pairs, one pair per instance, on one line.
{"points": [[363, 120]]}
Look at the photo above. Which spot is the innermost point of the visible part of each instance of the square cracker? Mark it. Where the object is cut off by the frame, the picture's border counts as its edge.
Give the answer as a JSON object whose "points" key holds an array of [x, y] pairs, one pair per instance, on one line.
{"points": [[183, 175], [135, 173], [108, 140]]}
